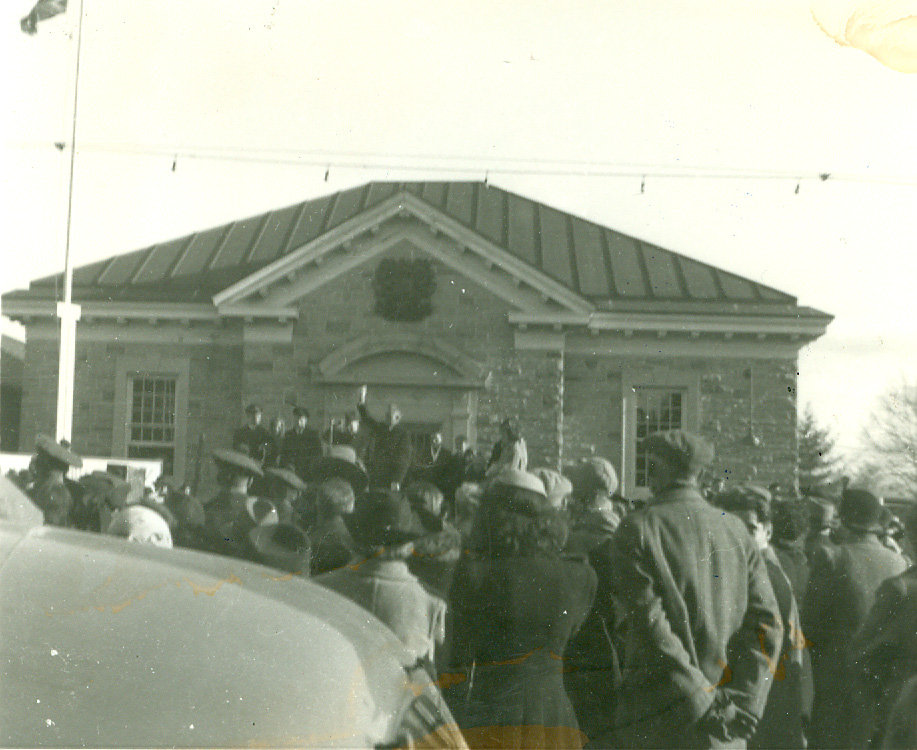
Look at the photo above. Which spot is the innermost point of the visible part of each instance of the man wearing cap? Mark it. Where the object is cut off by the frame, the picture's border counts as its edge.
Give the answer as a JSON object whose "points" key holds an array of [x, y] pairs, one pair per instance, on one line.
{"points": [[390, 457], [50, 492], [103, 493], [285, 490], [842, 589], [701, 624], [301, 445]]}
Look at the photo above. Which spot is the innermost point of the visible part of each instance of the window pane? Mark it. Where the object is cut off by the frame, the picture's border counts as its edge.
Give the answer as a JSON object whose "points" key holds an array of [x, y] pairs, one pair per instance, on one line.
{"points": [[657, 409]]}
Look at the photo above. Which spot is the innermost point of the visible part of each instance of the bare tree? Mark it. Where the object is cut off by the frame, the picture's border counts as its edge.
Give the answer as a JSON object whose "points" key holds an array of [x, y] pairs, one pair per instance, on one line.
{"points": [[889, 458]]}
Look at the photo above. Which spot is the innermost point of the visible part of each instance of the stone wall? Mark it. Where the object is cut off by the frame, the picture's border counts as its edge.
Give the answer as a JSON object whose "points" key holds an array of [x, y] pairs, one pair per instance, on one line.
{"points": [[593, 409]]}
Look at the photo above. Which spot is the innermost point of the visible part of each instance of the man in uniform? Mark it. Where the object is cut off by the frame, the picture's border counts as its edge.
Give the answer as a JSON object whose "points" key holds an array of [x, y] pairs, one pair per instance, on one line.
{"points": [[50, 492], [301, 445], [700, 620], [252, 437]]}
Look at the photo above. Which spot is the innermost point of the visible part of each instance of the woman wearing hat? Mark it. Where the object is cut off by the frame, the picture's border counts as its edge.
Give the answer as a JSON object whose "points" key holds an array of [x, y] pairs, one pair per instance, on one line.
{"points": [[332, 544], [232, 512], [385, 529], [516, 605], [51, 494]]}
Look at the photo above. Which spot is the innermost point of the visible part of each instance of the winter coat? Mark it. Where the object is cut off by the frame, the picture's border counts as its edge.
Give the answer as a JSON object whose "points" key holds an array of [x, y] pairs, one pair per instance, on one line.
{"points": [[332, 545], [700, 620], [298, 451], [389, 457], [842, 590], [514, 616], [387, 589], [884, 653], [795, 564], [789, 702]]}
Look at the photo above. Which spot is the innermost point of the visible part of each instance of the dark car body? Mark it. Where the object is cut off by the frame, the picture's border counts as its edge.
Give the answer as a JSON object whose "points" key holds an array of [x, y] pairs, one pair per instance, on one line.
{"points": [[107, 643]]}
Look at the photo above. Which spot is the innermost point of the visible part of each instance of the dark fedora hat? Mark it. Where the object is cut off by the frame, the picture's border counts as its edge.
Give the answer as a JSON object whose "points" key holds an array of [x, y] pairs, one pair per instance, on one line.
{"points": [[281, 546], [340, 462], [58, 452], [238, 460], [384, 518], [861, 511]]}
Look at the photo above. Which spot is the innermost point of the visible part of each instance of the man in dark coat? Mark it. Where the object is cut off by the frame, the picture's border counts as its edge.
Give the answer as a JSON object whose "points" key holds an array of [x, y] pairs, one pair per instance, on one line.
{"points": [[252, 438], [842, 589], [301, 445], [884, 654], [789, 703], [390, 458], [788, 542], [701, 623], [50, 490]]}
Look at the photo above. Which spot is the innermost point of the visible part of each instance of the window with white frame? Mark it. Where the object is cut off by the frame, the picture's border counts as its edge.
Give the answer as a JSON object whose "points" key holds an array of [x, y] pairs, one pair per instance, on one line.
{"points": [[655, 409], [151, 430]]}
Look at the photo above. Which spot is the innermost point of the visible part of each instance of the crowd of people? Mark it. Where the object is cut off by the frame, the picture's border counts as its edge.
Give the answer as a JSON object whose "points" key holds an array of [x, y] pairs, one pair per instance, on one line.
{"points": [[553, 611]]}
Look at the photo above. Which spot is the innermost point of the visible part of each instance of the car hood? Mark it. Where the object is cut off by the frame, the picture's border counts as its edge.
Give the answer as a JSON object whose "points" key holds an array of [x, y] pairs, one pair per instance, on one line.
{"points": [[110, 643]]}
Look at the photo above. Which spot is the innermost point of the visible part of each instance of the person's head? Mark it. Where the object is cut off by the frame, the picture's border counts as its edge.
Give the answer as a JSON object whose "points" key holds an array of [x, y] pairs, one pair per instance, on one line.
{"points": [[468, 498], [861, 512], [334, 497], [52, 457], [790, 520], [557, 488], [752, 505], [461, 443], [384, 525], [352, 421], [425, 497], [277, 426], [235, 469], [253, 413], [436, 440], [394, 415], [301, 415], [140, 524], [594, 480], [675, 456]]}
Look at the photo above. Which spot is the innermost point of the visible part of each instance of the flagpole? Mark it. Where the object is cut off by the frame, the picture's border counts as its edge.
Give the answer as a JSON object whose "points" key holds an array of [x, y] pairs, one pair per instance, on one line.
{"points": [[68, 312]]}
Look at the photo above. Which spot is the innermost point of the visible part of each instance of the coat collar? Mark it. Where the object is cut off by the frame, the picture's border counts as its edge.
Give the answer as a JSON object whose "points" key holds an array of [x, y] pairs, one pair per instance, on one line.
{"points": [[679, 491]]}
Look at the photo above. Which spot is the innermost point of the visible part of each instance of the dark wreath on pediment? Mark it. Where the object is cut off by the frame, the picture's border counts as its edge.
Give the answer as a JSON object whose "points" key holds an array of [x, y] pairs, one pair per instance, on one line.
{"points": [[404, 289]]}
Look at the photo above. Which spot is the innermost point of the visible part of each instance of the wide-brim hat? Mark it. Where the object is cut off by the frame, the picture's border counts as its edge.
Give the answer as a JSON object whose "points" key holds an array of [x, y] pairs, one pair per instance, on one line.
{"points": [[282, 546], [58, 452], [517, 491], [681, 449], [289, 478], [384, 518], [238, 460], [861, 511], [340, 463]]}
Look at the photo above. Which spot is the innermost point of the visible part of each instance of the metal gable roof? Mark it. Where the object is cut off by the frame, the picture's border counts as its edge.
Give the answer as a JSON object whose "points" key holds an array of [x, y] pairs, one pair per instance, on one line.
{"points": [[602, 265]]}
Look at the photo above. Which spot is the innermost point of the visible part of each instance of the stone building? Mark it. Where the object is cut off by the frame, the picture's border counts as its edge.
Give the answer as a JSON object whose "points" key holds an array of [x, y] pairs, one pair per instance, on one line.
{"points": [[462, 302]]}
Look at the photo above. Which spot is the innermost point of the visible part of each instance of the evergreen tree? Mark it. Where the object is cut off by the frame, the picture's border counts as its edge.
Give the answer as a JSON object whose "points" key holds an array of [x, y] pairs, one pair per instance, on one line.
{"points": [[818, 464]]}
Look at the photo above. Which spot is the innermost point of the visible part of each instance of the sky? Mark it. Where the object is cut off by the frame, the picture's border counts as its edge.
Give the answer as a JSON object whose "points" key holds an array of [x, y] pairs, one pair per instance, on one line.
{"points": [[191, 114]]}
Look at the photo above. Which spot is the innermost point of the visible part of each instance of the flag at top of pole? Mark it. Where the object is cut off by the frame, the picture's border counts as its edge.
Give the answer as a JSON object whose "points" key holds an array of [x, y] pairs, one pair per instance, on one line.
{"points": [[43, 9]]}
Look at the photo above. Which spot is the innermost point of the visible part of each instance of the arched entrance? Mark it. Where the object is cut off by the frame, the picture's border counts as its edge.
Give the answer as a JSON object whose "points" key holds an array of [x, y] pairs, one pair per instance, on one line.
{"points": [[435, 385]]}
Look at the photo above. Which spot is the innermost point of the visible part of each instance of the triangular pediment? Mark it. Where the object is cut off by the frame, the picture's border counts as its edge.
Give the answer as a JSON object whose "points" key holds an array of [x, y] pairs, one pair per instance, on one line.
{"points": [[401, 219]]}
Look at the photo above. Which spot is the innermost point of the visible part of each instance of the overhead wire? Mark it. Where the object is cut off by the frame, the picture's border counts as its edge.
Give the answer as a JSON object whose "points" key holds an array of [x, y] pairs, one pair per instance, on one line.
{"points": [[477, 165]]}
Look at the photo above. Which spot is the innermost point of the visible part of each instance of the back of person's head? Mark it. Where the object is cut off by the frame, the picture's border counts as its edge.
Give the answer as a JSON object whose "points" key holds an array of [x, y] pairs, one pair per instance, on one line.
{"points": [[791, 520], [334, 497], [510, 429], [140, 524], [425, 496], [517, 520], [747, 498]]}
